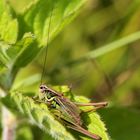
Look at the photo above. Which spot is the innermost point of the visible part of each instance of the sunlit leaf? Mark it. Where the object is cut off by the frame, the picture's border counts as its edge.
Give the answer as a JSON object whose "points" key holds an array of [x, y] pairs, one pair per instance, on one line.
{"points": [[38, 15], [8, 27]]}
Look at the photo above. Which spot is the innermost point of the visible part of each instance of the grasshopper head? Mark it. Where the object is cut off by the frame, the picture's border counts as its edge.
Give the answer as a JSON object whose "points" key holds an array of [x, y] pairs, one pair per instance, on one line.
{"points": [[43, 88]]}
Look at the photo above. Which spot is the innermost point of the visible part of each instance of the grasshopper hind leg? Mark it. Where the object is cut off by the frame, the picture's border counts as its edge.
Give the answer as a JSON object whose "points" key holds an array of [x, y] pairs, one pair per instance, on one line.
{"points": [[80, 129]]}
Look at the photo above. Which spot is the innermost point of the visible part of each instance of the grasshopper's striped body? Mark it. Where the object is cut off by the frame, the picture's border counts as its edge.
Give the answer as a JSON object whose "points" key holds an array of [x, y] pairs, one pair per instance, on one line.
{"points": [[67, 111]]}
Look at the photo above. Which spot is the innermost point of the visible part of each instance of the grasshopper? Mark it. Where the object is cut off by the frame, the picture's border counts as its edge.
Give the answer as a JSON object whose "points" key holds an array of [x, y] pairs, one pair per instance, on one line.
{"points": [[66, 110]]}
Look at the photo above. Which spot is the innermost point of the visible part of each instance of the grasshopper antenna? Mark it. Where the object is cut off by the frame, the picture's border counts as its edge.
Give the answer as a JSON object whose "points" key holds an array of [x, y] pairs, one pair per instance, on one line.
{"points": [[46, 49]]}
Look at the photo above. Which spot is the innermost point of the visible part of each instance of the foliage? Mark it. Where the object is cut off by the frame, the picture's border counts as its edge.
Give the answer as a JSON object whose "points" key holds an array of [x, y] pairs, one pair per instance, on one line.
{"points": [[34, 19], [98, 53], [18, 48], [39, 114]]}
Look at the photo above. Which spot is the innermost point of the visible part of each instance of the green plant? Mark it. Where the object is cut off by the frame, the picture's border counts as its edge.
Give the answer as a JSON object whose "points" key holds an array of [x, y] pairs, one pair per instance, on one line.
{"points": [[113, 76], [22, 35]]}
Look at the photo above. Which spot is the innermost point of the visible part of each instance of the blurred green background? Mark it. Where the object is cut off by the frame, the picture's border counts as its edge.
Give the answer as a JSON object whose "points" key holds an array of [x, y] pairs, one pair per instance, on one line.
{"points": [[112, 77]]}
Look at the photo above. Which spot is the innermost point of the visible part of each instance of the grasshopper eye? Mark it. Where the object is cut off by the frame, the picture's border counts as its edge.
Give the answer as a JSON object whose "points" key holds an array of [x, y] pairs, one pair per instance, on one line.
{"points": [[42, 87]]}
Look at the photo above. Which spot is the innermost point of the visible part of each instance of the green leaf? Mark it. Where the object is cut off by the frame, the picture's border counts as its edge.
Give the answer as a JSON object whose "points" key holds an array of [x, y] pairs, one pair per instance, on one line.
{"points": [[26, 82], [122, 123], [8, 33], [23, 52], [41, 116], [2, 66], [11, 31], [35, 19], [95, 125], [16, 56], [8, 27], [4, 59], [38, 15], [44, 119]]}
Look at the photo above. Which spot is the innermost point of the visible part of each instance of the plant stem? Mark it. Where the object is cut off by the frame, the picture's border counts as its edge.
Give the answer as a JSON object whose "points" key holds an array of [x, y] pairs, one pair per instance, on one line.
{"points": [[8, 122], [123, 42]]}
